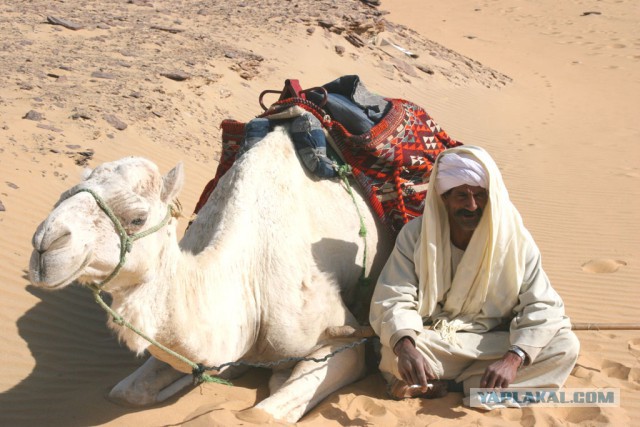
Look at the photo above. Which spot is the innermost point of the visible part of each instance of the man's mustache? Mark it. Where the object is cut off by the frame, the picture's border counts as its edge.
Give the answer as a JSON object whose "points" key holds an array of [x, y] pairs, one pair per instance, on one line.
{"points": [[466, 212]]}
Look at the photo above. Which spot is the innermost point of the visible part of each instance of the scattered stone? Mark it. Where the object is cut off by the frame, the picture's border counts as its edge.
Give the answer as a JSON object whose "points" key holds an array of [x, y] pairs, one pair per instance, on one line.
{"points": [[2, 208], [102, 26], [591, 13], [136, 95], [115, 121], [65, 68], [178, 76], [53, 75], [81, 114], [12, 185], [470, 37], [103, 75], [404, 67], [340, 50], [65, 23], [81, 158], [325, 23], [33, 115], [425, 69], [141, 3], [49, 127], [231, 55], [354, 40], [311, 30], [171, 30], [72, 146]]}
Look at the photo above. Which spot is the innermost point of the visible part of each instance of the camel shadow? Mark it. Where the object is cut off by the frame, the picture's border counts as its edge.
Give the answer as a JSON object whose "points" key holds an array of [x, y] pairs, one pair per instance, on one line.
{"points": [[77, 361]]}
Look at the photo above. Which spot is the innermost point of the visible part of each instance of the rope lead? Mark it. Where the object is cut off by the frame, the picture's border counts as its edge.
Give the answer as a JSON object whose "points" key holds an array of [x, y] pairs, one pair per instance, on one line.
{"points": [[343, 172]]}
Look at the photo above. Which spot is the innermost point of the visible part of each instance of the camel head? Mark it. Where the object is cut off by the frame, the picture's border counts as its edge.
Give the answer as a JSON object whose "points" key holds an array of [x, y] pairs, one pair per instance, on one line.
{"points": [[80, 241]]}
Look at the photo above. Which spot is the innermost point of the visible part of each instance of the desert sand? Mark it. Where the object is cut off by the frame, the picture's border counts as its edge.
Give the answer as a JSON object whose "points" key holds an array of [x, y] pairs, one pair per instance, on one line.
{"points": [[549, 88]]}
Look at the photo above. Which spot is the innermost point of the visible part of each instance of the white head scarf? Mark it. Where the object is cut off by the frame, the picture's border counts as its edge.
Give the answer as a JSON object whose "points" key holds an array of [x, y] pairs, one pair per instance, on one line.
{"points": [[457, 169], [495, 256]]}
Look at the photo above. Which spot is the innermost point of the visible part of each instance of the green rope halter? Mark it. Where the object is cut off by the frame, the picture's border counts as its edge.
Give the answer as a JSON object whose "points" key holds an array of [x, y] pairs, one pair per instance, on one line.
{"points": [[126, 243], [198, 370], [126, 240]]}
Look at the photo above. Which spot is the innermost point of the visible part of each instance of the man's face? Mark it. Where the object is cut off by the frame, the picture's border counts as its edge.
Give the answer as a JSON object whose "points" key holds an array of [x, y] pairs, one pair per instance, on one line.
{"points": [[465, 205]]}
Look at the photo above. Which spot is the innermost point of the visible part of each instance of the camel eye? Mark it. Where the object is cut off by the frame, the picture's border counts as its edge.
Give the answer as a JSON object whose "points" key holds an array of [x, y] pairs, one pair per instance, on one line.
{"points": [[138, 221]]}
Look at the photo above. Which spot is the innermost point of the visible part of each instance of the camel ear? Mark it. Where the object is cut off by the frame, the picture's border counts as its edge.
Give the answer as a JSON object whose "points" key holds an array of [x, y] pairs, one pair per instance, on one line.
{"points": [[172, 183]]}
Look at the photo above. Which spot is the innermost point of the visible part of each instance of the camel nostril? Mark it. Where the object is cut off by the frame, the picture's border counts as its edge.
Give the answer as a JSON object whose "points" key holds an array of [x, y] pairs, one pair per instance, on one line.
{"points": [[57, 243]]}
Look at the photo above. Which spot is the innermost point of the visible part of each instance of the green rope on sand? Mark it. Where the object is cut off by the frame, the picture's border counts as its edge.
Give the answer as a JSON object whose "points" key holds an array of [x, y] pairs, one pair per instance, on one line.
{"points": [[344, 171]]}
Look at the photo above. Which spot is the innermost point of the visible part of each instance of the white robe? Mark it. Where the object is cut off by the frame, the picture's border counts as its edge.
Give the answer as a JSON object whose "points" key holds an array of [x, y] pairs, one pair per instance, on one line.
{"points": [[498, 281]]}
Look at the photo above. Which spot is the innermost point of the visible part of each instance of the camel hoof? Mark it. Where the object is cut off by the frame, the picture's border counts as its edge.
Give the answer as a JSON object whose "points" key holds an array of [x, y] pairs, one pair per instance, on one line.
{"points": [[255, 416]]}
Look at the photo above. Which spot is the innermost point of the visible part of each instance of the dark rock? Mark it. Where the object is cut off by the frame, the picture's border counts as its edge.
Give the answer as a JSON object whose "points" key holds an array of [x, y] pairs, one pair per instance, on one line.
{"points": [[425, 69], [340, 49], [65, 23], [115, 121], [33, 115], [354, 40], [103, 75], [49, 127], [171, 30], [81, 115], [72, 146], [12, 185], [178, 76], [311, 30], [2, 208]]}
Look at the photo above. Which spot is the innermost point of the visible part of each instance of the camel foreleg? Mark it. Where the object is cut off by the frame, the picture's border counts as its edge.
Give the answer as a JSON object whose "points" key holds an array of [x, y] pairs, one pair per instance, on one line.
{"points": [[153, 382]]}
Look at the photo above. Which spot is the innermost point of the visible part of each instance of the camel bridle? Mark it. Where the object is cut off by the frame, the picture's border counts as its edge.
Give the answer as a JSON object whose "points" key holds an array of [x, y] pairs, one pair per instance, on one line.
{"points": [[126, 239]]}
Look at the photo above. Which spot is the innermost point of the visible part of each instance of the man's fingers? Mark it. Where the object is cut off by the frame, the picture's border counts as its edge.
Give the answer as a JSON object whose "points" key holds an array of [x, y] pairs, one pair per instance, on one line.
{"points": [[488, 379]]}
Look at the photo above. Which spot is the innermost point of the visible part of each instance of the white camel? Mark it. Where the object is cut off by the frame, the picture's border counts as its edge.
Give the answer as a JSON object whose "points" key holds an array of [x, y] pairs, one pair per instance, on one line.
{"points": [[260, 275]]}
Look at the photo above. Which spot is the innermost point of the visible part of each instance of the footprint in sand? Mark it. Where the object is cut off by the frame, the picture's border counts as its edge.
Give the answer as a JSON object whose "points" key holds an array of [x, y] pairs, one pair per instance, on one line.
{"points": [[615, 370], [602, 265], [634, 347]]}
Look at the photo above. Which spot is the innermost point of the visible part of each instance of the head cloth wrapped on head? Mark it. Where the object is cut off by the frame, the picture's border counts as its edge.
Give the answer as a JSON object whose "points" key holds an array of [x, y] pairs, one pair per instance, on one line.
{"points": [[455, 169]]}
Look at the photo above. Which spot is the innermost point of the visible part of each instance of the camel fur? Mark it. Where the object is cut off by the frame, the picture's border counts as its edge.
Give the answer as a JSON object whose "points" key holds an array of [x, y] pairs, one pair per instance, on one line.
{"points": [[268, 265]]}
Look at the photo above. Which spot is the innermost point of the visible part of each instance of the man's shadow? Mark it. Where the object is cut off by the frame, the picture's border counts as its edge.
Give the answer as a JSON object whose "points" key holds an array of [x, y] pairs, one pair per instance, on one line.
{"points": [[77, 361]]}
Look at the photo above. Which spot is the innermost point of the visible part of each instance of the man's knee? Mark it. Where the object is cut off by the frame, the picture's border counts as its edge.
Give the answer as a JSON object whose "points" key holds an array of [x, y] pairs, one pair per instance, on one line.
{"points": [[567, 342]]}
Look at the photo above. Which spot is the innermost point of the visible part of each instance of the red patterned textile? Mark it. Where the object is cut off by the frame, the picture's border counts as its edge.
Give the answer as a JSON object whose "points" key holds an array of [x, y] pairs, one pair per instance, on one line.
{"points": [[391, 163]]}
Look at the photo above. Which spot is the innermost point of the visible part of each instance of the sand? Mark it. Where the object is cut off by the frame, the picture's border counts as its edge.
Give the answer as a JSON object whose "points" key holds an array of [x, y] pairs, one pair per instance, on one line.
{"points": [[549, 88]]}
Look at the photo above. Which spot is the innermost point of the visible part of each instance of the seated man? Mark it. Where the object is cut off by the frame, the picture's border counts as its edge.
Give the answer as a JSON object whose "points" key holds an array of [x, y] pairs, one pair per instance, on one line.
{"points": [[463, 296]]}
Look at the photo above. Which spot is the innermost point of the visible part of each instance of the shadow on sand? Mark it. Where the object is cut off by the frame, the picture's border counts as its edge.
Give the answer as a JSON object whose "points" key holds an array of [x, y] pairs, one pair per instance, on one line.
{"points": [[77, 361]]}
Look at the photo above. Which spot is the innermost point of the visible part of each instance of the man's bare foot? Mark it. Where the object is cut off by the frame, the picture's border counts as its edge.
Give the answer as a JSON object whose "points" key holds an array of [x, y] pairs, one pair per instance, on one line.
{"points": [[399, 390]]}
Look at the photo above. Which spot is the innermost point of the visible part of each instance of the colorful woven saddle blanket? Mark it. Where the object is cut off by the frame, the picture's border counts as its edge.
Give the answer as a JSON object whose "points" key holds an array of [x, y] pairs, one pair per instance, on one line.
{"points": [[391, 161]]}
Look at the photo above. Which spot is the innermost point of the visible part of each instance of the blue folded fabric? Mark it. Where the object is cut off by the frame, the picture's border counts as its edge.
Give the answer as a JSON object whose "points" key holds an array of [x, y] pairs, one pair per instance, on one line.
{"points": [[311, 145], [308, 140]]}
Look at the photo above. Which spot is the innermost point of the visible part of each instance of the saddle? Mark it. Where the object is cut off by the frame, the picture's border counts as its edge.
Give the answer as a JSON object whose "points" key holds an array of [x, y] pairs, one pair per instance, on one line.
{"points": [[390, 144]]}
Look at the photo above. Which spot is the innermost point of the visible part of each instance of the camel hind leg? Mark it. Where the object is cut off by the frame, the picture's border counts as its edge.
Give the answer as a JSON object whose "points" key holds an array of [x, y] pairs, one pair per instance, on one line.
{"points": [[310, 382]]}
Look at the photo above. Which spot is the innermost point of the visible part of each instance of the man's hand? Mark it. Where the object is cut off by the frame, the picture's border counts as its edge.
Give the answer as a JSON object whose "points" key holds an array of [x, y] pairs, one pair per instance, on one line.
{"points": [[502, 372], [412, 365]]}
